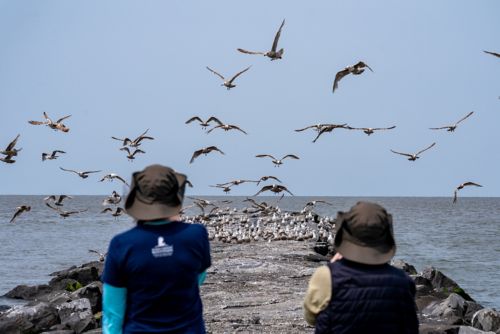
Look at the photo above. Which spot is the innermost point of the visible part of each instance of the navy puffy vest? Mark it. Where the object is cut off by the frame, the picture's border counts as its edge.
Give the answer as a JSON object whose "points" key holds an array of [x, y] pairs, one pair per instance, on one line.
{"points": [[369, 299]]}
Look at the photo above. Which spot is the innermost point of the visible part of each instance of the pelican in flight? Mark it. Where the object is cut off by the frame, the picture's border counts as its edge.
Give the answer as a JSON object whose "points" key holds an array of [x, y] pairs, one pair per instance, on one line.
{"points": [[112, 176], [57, 200], [19, 210], [277, 162], [272, 54], [461, 186], [452, 127], [228, 83], [355, 69], [203, 124], [51, 156], [57, 125], [135, 142], [131, 155], [83, 175], [205, 151], [415, 156], [329, 128], [492, 53], [370, 131], [275, 188]]}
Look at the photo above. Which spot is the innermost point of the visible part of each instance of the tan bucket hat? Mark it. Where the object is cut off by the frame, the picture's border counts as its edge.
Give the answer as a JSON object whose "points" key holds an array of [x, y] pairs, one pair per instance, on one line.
{"points": [[156, 192], [364, 234]]}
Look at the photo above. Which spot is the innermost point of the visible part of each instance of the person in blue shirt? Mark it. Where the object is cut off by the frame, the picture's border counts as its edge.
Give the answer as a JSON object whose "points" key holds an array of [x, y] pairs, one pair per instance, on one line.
{"points": [[153, 271]]}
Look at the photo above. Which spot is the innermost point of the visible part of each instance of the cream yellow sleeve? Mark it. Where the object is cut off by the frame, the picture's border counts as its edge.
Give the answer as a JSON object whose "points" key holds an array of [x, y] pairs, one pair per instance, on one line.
{"points": [[318, 295]]}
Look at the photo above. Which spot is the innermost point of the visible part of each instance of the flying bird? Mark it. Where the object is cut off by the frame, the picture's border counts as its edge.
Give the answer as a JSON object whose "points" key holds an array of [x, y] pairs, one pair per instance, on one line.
{"points": [[56, 199], [131, 156], [226, 127], [113, 199], [415, 156], [117, 213], [57, 125], [226, 189], [275, 188], [228, 83], [277, 162], [316, 127], [83, 175], [101, 255], [452, 127], [492, 53], [329, 128], [135, 142], [272, 54], [267, 177], [234, 182], [51, 156], [355, 69], [113, 176], [311, 204], [203, 124], [370, 131], [64, 214], [205, 151], [19, 210], [461, 186], [10, 151]]}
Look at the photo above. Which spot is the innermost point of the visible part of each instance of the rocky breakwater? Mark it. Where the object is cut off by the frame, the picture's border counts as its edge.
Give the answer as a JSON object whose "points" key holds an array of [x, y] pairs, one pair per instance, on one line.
{"points": [[259, 275]]}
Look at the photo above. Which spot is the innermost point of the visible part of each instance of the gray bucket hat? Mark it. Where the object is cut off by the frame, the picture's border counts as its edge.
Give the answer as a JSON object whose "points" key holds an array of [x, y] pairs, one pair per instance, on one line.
{"points": [[156, 192], [364, 234]]}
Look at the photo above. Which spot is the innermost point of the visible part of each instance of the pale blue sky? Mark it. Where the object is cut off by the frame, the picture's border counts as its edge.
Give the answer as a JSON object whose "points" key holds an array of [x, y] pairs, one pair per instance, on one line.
{"points": [[119, 67]]}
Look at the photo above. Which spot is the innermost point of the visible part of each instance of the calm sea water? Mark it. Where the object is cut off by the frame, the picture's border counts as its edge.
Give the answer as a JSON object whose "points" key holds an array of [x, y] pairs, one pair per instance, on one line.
{"points": [[462, 240]]}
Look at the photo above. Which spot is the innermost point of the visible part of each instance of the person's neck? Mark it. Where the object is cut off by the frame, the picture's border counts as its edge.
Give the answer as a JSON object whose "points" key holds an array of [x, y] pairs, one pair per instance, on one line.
{"points": [[162, 221]]}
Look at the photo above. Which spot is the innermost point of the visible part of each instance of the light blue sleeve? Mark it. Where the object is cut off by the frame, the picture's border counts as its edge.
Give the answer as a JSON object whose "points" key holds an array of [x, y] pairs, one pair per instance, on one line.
{"points": [[201, 277], [114, 301]]}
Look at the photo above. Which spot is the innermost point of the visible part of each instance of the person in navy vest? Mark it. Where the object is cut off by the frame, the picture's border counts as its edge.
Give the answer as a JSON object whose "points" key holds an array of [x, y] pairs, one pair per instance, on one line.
{"points": [[359, 292], [153, 271]]}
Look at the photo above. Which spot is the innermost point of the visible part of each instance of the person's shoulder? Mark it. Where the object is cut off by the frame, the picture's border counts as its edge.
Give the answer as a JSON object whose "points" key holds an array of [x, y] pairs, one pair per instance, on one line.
{"points": [[196, 227], [124, 235]]}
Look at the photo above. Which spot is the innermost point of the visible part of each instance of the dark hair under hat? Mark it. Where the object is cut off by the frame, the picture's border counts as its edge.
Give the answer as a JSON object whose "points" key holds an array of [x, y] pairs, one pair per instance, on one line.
{"points": [[364, 234], [156, 192]]}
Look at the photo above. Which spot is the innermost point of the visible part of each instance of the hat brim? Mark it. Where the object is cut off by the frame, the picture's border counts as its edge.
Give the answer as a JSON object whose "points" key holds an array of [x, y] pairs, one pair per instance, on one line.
{"points": [[362, 254]]}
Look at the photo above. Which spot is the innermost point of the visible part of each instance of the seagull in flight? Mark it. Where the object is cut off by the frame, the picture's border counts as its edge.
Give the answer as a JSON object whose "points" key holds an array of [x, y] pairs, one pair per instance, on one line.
{"points": [[228, 83], [205, 151], [226, 127], [131, 156], [277, 162], [329, 128], [19, 210], [57, 199], [117, 213], [272, 54], [492, 53], [10, 151], [64, 214], [51, 156], [355, 69], [83, 175], [461, 186], [112, 176], [203, 124], [414, 156], [57, 125], [370, 131], [452, 127], [275, 188], [267, 177], [113, 199], [135, 142], [101, 255]]}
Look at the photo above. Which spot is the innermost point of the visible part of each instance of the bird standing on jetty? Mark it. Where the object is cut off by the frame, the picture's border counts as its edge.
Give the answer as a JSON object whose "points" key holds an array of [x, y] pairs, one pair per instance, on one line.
{"points": [[57, 125], [272, 54], [205, 151], [355, 69], [228, 83], [19, 210], [461, 186], [277, 162], [370, 131], [203, 124], [51, 156], [452, 127], [136, 142], [57, 200], [83, 175], [329, 128], [415, 156], [10, 151]]}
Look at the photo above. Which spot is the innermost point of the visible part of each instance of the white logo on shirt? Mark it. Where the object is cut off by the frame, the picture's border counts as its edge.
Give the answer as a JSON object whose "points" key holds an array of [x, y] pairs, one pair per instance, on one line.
{"points": [[162, 249]]}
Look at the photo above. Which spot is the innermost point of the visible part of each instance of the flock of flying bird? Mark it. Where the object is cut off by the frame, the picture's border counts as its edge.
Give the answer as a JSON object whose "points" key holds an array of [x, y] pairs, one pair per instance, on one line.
{"points": [[131, 146]]}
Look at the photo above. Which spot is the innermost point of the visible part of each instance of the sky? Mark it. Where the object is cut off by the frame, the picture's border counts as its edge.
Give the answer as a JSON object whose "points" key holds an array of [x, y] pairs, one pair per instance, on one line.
{"points": [[121, 67]]}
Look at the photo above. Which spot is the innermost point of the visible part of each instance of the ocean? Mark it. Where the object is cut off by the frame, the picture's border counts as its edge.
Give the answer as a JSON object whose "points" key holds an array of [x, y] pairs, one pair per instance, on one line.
{"points": [[459, 239]]}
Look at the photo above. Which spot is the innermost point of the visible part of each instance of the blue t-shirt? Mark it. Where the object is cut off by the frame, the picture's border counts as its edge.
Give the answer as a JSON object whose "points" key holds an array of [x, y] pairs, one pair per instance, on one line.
{"points": [[159, 265]]}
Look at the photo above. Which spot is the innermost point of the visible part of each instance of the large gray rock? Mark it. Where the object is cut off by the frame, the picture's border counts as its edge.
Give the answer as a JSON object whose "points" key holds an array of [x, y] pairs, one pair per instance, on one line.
{"points": [[28, 292], [93, 292], [77, 315], [451, 310], [84, 275], [471, 330], [487, 319], [406, 267], [442, 283], [31, 318]]}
